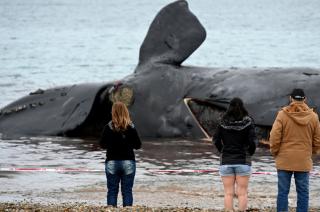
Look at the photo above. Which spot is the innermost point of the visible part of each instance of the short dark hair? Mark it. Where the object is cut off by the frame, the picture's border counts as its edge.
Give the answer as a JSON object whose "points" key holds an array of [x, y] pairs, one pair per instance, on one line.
{"points": [[298, 94]]}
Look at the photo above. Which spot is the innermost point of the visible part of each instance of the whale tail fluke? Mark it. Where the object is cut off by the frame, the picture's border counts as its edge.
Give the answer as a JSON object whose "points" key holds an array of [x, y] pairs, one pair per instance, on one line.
{"points": [[173, 36]]}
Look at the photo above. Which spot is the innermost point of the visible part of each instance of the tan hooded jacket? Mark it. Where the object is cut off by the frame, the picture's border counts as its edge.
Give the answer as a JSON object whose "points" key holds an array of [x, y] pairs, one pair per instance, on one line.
{"points": [[295, 135]]}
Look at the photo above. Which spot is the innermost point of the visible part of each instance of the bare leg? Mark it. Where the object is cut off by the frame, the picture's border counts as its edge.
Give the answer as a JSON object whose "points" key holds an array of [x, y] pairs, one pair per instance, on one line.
{"points": [[242, 191], [228, 184]]}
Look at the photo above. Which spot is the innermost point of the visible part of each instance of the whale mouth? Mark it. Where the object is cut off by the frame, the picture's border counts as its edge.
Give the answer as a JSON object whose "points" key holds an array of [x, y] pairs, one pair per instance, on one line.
{"points": [[206, 113]]}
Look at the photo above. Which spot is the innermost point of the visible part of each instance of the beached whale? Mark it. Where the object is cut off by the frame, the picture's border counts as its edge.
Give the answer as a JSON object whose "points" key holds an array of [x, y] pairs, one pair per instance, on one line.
{"points": [[165, 98]]}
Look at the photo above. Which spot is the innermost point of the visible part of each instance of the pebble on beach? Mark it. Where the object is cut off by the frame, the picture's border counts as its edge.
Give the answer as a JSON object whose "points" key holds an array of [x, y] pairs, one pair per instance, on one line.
{"points": [[83, 207]]}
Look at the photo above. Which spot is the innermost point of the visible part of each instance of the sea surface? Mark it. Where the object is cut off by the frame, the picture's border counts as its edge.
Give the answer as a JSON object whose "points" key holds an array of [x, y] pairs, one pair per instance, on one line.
{"points": [[48, 43]]}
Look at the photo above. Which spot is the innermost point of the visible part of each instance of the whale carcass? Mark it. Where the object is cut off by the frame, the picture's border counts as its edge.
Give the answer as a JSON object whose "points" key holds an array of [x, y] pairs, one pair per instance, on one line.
{"points": [[165, 98]]}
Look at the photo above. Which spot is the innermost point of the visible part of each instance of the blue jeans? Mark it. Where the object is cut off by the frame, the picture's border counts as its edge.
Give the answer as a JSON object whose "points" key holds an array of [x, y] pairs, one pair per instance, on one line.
{"points": [[302, 187], [120, 172]]}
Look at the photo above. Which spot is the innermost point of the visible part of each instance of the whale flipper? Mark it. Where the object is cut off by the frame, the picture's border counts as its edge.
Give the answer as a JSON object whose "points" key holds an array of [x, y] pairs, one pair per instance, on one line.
{"points": [[173, 36]]}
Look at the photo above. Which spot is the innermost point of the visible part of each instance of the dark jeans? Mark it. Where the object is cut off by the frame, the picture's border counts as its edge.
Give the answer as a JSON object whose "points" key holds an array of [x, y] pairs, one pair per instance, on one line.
{"points": [[120, 172], [302, 187]]}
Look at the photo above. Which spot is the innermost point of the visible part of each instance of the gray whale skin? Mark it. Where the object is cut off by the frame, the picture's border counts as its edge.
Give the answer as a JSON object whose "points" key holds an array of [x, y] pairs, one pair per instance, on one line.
{"points": [[166, 99]]}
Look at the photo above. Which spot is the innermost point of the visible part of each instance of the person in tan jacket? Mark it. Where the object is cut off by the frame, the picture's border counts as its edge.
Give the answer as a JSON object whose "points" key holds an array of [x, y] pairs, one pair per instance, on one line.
{"points": [[294, 137]]}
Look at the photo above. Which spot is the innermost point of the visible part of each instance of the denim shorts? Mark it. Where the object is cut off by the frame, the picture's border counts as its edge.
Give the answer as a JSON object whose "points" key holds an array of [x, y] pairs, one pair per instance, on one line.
{"points": [[235, 170]]}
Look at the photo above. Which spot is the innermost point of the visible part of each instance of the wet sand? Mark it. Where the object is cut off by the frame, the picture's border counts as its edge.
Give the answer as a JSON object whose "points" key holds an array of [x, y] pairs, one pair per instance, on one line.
{"points": [[153, 191]]}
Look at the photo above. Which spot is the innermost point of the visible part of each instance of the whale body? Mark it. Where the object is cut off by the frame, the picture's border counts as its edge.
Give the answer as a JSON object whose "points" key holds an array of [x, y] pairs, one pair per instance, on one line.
{"points": [[165, 98]]}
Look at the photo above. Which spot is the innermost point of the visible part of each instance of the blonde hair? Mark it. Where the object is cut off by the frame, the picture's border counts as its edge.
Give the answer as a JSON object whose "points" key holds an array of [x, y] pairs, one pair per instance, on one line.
{"points": [[120, 116]]}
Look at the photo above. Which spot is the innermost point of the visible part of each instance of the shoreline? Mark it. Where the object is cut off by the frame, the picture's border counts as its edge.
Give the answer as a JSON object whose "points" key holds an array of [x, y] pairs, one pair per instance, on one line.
{"points": [[83, 206], [152, 191]]}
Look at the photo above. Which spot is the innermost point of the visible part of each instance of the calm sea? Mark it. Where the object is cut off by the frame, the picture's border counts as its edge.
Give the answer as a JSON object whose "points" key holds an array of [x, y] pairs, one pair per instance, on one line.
{"points": [[47, 43]]}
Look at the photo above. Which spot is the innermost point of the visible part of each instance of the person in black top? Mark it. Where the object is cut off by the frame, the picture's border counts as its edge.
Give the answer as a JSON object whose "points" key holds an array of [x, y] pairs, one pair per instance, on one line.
{"points": [[120, 138], [236, 140]]}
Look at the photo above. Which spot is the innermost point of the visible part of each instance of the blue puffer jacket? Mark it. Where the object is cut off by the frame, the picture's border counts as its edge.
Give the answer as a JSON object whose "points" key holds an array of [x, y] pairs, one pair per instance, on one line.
{"points": [[236, 141]]}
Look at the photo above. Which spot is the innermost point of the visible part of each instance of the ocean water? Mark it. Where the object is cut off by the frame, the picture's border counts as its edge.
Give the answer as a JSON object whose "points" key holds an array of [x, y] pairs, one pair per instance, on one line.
{"points": [[47, 43]]}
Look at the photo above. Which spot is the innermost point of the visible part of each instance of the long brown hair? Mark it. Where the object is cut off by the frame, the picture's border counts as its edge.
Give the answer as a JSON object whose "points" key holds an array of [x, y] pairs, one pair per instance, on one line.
{"points": [[120, 116], [236, 110]]}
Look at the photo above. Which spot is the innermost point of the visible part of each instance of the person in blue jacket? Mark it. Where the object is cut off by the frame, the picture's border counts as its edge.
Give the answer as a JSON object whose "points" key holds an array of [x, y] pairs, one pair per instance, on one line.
{"points": [[236, 140], [120, 138]]}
